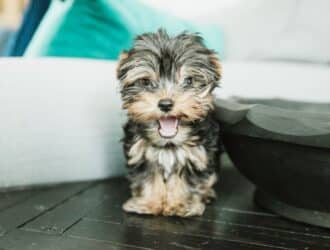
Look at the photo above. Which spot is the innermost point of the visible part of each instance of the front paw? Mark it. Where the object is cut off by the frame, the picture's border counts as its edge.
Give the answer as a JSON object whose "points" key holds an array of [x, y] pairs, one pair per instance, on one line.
{"points": [[142, 206], [184, 210]]}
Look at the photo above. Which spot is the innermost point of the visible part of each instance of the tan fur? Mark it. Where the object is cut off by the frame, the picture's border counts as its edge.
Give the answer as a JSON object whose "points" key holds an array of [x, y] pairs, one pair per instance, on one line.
{"points": [[197, 155], [122, 57], [136, 152], [169, 198], [217, 65], [190, 107], [144, 108], [151, 198], [179, 199], [168, 193]]}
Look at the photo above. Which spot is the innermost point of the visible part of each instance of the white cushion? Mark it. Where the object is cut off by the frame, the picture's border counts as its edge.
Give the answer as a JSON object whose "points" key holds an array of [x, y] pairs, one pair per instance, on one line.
{"points": [[275, 80], [60, 121]]}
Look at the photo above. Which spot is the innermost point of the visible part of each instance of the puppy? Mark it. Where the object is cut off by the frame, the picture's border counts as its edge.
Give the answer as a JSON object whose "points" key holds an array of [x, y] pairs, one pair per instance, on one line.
{"points": [[171, 138]]}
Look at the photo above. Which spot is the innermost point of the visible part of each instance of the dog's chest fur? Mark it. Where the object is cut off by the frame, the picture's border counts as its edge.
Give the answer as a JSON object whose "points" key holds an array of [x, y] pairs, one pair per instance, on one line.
{"points": [[168, 159], [172, 160]]}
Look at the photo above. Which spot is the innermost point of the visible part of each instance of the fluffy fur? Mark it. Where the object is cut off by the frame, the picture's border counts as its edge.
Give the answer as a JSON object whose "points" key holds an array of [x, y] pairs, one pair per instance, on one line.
{"points": [[170, 175]]}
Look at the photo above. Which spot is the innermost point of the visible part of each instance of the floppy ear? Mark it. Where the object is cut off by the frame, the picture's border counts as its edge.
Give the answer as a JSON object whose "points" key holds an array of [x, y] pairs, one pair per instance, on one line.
{"points": [[217, 69], [123, 56]]}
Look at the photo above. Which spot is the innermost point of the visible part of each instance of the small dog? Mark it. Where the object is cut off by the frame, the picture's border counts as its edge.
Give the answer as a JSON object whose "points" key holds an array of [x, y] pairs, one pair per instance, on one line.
{"points": [[171, 137]]}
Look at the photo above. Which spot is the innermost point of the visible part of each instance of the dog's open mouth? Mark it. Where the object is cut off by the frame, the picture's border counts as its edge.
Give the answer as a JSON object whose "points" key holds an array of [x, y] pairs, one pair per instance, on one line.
{"points": [[168, 126]]}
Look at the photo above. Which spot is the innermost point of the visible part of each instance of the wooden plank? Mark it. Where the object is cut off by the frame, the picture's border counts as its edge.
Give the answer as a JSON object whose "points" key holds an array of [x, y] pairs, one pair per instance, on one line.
{"points": [[236, 208], [206, 228], [90, 217], [56, 221], [9, 199], [252, 225], [270, 224], [146, 237], [37, 205], [24, 240]]}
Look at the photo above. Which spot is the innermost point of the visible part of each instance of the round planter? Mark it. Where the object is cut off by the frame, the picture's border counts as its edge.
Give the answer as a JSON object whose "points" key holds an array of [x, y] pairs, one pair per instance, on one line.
{"points": [[285, 152]]}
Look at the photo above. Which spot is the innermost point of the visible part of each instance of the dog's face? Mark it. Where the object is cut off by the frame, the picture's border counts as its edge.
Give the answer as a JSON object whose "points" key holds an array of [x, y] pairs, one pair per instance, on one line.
{"points": [[166, 82]]}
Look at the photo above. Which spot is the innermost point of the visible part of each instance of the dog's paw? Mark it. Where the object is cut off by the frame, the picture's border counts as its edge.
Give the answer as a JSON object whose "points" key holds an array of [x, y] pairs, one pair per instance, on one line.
{"points": [[142, 206], [209, 197], [185, 210]]}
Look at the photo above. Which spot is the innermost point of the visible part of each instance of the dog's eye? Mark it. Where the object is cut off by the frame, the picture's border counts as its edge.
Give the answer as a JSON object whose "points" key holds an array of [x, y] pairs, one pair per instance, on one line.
{"points": [[145, 82], [188, 81]]}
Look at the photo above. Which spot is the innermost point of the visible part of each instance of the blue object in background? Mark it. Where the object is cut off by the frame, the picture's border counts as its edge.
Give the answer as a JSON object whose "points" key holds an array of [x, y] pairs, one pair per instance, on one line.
{"points": [[5, 37], [103, 28], [33, 16]]}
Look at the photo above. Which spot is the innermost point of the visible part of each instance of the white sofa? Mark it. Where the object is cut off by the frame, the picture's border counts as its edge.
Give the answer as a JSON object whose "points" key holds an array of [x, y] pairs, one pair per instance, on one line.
{"points": [[61, 119]]}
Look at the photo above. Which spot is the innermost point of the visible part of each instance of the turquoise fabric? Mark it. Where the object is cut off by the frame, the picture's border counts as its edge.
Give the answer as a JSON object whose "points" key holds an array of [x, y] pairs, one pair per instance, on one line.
{"points": [[103, 28]]}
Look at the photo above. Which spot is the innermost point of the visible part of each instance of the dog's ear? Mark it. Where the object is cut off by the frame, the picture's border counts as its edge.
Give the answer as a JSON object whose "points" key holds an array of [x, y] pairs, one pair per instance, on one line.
{"points": [[123, 56], [217, 69]]}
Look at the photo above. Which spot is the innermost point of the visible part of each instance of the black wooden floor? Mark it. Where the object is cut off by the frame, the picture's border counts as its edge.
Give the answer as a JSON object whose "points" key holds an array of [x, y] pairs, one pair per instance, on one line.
{"points": [[88, 216]]}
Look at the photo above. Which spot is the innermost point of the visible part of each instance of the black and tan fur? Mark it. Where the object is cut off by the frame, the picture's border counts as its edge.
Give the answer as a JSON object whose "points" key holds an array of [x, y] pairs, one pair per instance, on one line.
{"points": [[170, 176]]}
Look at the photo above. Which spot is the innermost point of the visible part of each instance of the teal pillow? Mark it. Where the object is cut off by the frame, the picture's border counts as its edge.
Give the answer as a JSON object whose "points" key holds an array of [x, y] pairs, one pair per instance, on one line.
{"points": [[103, 28]]}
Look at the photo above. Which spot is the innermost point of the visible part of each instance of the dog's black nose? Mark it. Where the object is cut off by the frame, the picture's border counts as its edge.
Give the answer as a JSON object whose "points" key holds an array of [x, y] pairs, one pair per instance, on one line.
{"points": [[165, 105]]}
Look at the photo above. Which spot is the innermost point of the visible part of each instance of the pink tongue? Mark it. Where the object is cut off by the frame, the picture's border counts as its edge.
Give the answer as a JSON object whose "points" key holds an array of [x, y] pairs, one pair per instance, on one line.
{"points": [[168, 126]]}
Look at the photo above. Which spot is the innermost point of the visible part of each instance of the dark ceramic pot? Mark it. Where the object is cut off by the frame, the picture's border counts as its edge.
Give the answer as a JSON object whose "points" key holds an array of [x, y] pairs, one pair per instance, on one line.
{"points": [[284, 149]]}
